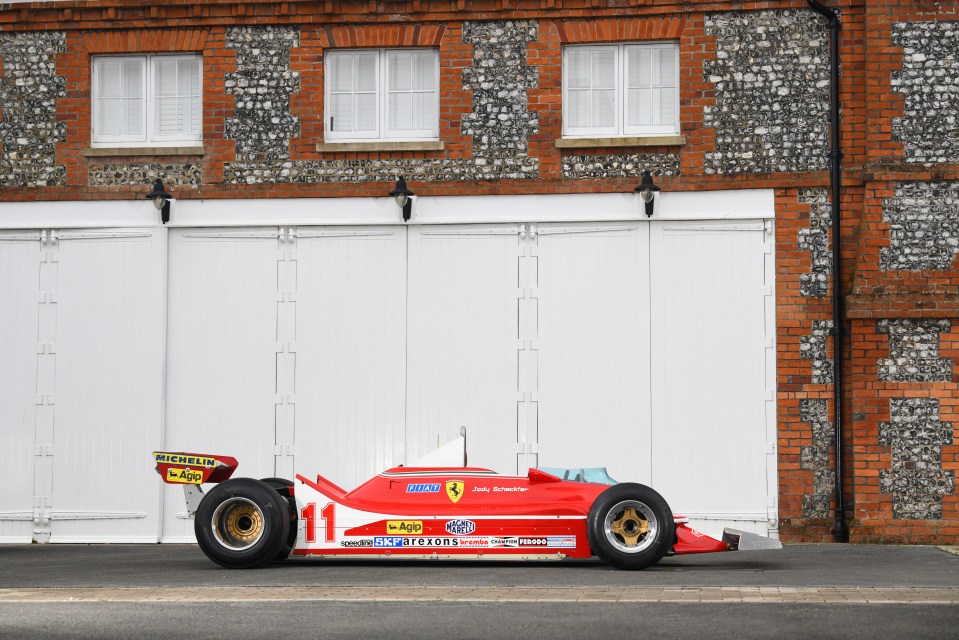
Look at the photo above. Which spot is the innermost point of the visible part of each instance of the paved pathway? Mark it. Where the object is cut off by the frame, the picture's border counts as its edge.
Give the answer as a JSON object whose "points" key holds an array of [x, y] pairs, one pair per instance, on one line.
{"points": [[633, 594]]}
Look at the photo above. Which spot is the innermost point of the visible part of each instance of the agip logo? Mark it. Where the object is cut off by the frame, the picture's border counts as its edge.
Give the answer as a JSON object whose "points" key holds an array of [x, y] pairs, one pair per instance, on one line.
{"points": [[184, 476], [460, 527], [454, 489]]}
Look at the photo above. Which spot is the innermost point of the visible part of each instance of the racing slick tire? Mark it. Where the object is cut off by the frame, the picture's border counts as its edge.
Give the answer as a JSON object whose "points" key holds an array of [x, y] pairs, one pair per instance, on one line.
{"points": [[630, 526], [282, 487], [242, 523]]}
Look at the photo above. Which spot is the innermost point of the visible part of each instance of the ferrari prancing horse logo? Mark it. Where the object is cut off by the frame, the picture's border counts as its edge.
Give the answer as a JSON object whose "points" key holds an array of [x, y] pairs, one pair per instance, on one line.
{"points": [[454, 490]]}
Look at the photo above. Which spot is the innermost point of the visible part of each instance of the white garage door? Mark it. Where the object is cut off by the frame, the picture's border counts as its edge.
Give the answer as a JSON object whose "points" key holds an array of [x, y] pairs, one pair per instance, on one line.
{"points": [[89, 304]]}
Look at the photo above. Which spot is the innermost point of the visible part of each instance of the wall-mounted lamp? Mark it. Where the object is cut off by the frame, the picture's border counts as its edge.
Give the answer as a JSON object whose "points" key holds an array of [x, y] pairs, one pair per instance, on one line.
{"points": [[647, 190], [161, 200], [402, 196]]}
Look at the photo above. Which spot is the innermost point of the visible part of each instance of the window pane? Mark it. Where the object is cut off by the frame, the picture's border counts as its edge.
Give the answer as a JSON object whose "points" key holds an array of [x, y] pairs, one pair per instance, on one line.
{"points": [[110, 117], [424, 70], [188, 77], [604, 109], [667, 106], [341, 72], [366, 72], [341, 112], [577, 69], [109, 78], [639, 108], [400, 71], [604, 68], [577, 108], [132, 79], [667, 66], [164, 76], [424, 111], [133, 111], [168, 117], [365, 112], [400, 111]]}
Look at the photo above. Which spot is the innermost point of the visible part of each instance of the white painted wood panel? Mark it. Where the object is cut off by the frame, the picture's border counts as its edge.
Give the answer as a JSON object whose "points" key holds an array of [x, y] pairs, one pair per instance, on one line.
{"points": [[221, 363], [462, 342], [19, 288], [109, 363], [350, 351], [593, 348], [710, 336]]}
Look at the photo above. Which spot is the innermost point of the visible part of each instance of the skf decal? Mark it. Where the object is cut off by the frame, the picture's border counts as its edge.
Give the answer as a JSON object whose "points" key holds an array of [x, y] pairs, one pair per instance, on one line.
{"points": [[423, 487], [388, 541], [193, 461], [406, 527], [454, 489], [184, 475], [460, 527]]}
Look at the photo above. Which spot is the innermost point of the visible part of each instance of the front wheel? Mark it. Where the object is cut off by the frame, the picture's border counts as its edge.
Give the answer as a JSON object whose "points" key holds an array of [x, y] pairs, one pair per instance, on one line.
{"points": [[242, 523], [630, 526]]}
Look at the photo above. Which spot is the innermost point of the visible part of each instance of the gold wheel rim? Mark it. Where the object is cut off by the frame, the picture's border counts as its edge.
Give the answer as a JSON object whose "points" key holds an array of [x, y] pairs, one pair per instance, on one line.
{"points": [[631, 526], [238, 524]]}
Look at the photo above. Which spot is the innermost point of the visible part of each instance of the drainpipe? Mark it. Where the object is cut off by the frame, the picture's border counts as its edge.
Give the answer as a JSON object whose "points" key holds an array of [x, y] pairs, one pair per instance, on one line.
{"points": [[841, 531]]}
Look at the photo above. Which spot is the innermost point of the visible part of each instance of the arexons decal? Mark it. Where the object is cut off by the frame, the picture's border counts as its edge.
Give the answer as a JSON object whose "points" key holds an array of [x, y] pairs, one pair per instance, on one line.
{"points": [[460, 527], [423, 487], [431, 542], [407, 527]]}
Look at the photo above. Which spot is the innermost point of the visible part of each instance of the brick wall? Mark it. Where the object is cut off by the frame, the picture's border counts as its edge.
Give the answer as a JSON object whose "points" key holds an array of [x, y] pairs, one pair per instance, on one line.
{"points": [[754, 114]]}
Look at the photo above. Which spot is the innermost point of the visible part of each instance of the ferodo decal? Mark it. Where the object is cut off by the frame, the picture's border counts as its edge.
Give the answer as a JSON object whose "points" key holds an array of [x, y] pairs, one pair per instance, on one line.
{"points": [[184, 475], [454, 489], [405, 527], [460, 527]]}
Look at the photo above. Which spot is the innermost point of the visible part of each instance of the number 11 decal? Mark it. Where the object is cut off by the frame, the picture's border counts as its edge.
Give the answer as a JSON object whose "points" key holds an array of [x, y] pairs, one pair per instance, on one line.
{"points": [[308, 513]]}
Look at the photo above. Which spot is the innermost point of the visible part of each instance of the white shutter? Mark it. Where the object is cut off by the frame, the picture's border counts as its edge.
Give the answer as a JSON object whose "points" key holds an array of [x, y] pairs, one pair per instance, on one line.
{"points": [[412, 98], [118, 102], [652, 97], [351, 95], [590, 91], [176, 98]]}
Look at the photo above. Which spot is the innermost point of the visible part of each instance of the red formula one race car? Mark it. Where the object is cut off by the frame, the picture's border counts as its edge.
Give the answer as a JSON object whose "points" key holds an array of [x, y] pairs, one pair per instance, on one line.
{"points": [[435, 512]]}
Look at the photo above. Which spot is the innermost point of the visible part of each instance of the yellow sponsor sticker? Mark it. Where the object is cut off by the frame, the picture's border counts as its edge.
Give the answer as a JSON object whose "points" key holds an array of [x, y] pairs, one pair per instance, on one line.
{"points": [[404, 527], [454, 489], [184, 475]]}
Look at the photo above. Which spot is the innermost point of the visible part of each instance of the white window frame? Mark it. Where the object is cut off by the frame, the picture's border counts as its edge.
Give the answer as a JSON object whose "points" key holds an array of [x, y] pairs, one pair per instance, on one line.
{"points": [[380, 131], [620, 127], [148, 138]]}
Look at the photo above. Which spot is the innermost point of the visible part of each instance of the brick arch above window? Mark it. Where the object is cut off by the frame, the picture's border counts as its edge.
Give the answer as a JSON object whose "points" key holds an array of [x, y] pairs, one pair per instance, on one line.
{"points": [[620, 29], [145, 41], [378, 35]]}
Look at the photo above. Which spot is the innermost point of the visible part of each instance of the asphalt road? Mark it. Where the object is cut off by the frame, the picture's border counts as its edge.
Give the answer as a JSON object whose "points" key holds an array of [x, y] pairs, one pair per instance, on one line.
{"points": [[802, 591]]}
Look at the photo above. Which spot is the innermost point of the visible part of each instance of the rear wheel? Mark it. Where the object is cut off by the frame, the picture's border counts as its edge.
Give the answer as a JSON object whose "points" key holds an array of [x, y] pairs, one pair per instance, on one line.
{"points": [[242, 523], [282, 485], [630, 526]]}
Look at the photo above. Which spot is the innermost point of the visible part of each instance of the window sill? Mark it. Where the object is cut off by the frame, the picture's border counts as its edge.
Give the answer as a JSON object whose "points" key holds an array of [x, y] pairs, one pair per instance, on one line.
{"points": [[112, 152], [640, 141], [409, 145]]}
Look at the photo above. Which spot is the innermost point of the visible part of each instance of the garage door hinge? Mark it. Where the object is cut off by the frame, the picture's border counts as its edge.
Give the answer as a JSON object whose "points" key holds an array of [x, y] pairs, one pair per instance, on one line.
{"points": [[283, 450], [43, 450], [285, 398], [768, 227], [46, 347], [44, 398]]}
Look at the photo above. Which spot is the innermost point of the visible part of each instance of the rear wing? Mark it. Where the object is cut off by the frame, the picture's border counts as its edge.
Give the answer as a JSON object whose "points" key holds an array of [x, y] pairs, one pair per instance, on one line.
{"points": [[193, 468], [190, 470]]}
